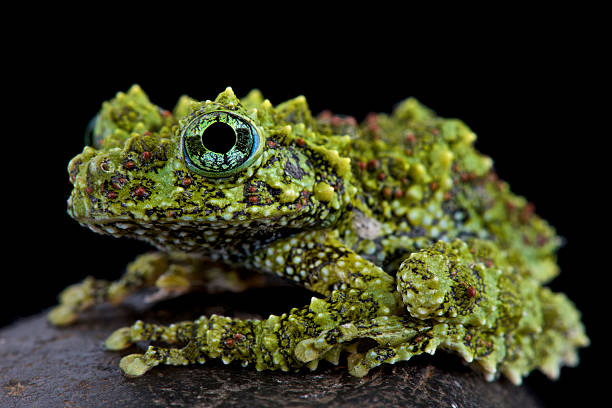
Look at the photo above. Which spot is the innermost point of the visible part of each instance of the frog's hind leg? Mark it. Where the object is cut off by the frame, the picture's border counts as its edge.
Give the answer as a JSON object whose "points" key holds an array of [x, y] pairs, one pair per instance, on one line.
{"points": [[172, 273]]}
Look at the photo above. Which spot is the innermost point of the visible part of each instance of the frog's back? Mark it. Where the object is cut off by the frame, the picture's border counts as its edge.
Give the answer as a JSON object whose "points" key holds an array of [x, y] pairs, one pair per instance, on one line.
{"points": [[419, 179]]}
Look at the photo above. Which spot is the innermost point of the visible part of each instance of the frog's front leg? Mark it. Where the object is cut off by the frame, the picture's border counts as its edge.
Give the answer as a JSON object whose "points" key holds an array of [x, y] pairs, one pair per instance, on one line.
{"points": [[171, 272], [318, 261]]}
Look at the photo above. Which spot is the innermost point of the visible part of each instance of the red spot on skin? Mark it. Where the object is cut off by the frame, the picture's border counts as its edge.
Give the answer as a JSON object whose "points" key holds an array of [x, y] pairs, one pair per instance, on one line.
{"points": [[301, 142], [239, 336], [471, 292], [253, 199], [387, 192], [166, 113], [129, 164], [111, 195], [271, 144], [325, 115], [372, 122], [140, 191], [433, 186], [410, 138], [489, 344], [435, 131], [229, 343], [361, 165], [373, 164], [408, 152], [186, 181], [418, 339], [146, 155], [541, 240], [268, 201], [468, 337], [447, 195], [298, 206], [171, 214], [404, 180], [252, 189], [146, 133], [527, 212], [382, 176], [489, 263], [398, 193], [350, 120], [89, 190]]}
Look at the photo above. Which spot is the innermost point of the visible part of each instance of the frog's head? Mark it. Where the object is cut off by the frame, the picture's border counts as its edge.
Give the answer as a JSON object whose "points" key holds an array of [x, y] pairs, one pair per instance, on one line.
{"points": [[209, 175]]}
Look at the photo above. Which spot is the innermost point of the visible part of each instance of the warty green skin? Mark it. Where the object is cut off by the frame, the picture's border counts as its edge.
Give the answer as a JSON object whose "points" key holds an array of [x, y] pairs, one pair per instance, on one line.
{"points": [[398, 224]]}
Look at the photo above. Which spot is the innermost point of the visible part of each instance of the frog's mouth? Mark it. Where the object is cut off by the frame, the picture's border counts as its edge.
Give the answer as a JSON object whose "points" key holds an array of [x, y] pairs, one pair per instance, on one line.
{"points": [[205, 235]]}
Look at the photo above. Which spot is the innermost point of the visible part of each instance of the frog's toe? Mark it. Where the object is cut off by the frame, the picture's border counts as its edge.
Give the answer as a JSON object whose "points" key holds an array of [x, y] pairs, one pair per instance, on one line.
{"points": [[120, 339], [318, 347], [134, 365], [62, 315]]}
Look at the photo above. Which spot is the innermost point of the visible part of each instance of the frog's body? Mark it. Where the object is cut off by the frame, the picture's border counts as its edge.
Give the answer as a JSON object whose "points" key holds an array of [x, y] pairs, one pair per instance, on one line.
{"points": [[399, 224]]}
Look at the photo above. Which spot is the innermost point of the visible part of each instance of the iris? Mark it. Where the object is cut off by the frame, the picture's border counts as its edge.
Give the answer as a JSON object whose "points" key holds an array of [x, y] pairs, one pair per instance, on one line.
{"points": [[219, 143]]}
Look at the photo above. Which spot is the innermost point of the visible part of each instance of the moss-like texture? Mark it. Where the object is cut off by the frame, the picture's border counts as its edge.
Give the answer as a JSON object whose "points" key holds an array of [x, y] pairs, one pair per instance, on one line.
{"points": [[398, 223]]}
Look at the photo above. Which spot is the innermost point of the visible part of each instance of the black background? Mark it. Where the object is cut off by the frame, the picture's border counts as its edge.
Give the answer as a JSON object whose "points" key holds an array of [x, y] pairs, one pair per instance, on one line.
{"points": [[531, 89]]}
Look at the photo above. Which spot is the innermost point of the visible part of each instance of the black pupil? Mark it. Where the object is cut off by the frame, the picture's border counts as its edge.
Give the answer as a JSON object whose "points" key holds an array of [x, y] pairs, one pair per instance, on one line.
{"points": [[219, 137]]}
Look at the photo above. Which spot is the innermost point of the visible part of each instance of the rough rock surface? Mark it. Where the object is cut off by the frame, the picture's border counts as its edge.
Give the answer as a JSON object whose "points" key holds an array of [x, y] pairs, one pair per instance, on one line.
{"points": [[43, 366]]}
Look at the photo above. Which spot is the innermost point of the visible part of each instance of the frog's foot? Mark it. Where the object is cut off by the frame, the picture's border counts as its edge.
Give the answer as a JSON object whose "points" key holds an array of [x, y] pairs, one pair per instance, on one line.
{"points": [[76, 298], [214, 337], [135, 365], [145, 270], [171, 273]]}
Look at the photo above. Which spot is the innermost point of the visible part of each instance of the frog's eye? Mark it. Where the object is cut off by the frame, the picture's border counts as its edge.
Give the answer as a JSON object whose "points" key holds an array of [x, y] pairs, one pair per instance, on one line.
{"points": [[220, 143]]}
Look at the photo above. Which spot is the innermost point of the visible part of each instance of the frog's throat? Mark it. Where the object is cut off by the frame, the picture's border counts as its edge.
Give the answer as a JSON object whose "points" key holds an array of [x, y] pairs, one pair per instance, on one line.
{"points": [[202, 234]]}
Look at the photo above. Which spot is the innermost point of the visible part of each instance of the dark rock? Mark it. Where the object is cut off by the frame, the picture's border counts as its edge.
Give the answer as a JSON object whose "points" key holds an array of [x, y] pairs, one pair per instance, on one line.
{"points": [[45, 366]]}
